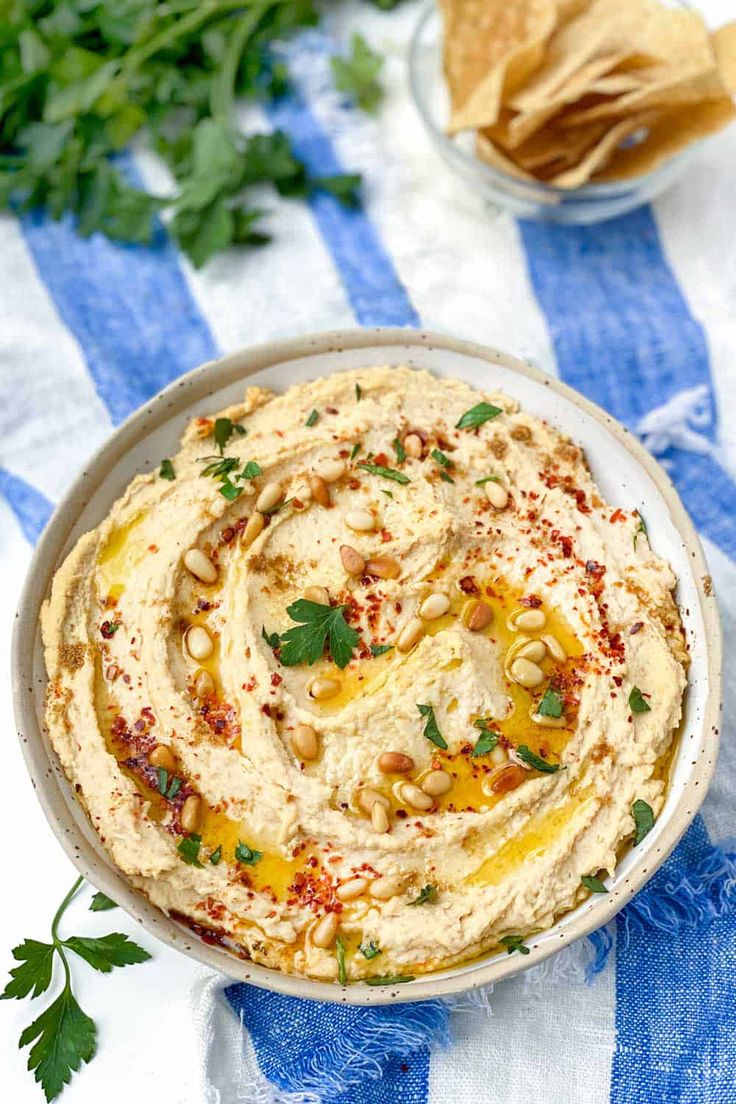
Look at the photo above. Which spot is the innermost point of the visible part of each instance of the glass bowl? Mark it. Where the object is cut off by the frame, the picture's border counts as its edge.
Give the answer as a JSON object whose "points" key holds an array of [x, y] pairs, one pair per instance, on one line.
{"points": [[529, 199]]}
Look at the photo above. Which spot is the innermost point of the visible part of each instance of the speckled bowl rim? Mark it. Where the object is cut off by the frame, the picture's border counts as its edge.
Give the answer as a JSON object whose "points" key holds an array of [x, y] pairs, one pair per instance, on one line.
{"points": [[55, 794]]}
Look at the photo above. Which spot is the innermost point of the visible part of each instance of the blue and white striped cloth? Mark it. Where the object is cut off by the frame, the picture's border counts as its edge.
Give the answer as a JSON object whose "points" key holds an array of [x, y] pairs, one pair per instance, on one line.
{"points": [[638, 315]]}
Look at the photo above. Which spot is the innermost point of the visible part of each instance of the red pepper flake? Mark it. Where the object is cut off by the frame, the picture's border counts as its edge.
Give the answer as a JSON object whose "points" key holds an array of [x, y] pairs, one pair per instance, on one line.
{"points": [[276, 679], [636, 627], [532, 601], [153, 548], [594, 568], [386, 536], [109, 628], [381, 458], [617, 515]]}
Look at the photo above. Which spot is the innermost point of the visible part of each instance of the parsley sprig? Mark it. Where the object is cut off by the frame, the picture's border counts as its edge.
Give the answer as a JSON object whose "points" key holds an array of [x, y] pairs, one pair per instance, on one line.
{"points": [[63, 1037], [320, 628], [357, 74]]}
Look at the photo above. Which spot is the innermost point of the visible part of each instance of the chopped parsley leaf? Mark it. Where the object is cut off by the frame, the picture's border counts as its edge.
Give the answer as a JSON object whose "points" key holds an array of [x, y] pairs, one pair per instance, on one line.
{"points": [[166, 471], [386, 473], [637, 701], [595, 885], [533, 760], [551, 704], [643, 819], [312, 419], [478, 415], [245, 854], [216, 855], [369, 950], [188, 849], [514, 943], [431, 728], [342, 974], [399, 450], [427, 895], [380, 649]]}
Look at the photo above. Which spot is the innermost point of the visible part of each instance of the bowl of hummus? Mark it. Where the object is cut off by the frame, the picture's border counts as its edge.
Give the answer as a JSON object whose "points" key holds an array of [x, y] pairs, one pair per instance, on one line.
{"points": [[369, 666]]}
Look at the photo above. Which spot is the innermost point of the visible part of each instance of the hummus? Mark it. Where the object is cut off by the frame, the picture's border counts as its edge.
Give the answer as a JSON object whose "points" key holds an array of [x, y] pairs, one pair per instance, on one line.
{"points": [[367, 678]]}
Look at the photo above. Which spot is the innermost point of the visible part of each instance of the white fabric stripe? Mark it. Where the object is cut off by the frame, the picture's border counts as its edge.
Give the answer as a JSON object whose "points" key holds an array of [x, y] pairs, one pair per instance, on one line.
{"points": [[549, 1039], [429, 231], [51, 417], [289, 288]]}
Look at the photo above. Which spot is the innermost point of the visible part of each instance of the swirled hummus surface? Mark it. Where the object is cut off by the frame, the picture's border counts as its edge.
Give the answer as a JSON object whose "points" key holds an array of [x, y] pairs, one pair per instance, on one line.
{"points": [[367, 678]]}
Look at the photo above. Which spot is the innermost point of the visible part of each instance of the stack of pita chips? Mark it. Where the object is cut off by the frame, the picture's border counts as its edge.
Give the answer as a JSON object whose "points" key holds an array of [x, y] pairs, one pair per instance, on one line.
{"points": [[576, 91]]}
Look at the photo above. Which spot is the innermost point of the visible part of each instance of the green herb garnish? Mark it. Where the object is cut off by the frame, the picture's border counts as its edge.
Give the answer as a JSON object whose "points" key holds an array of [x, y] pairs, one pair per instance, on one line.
{"points": [[312, 419], [216, 855], [166, 471], [168, 786], [637, 701], [386, 473], [427, 895], [319, 627], [188, 849], [643, 819], [514, 943], [251, 470], [369, 950], [478, 415], [441, 457], [595, 885], [641, 528], [102, 903], [399, 450], [431, 728], [487, 479], [355, 450], [223, 431], [487, 740], [63, 1036], [245, 854], [357, 74], [533, 760], [388, 494], [389, 979], [380, 649], [551, 704], [272, 639], [342, 974], [358, 392]]}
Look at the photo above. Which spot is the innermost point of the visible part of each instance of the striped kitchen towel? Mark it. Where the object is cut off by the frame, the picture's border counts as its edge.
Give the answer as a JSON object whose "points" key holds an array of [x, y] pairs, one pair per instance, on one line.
{"points": [[638, 315]]}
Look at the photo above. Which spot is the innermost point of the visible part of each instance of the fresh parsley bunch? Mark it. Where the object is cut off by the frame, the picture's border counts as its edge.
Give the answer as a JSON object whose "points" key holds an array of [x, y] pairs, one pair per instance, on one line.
{"points": [[79, 80]]}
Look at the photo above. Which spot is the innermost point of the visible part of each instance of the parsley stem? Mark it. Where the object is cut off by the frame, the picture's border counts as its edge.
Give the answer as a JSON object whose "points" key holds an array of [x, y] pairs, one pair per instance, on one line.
{"points": [[62, 909], [222, 93], [184, 26]]}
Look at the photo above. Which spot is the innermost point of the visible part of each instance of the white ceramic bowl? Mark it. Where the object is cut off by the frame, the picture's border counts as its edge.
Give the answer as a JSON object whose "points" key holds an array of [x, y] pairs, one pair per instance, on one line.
{"points": [[624, 471]]}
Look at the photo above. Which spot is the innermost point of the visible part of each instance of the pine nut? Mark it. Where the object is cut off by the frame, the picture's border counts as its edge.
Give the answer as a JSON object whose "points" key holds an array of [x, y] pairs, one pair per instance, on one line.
{"points": [[204, 684], [362, 521], [332, 470], [269, 497], [554, 648], [320, 491], [379, 818], [199, 565], [367, 798], [318, 594], [253, 528], [305, 742], [325, 930], [395, 762], [530, 620], [534, 650], [413, 446], [415, 797], [352, 561], [497, 495], [383, 567], [436, 783], [348, 891], [323, 688], [548, 722], [526, 673], [198, 642], [162, 756], [383, 889], [434, 606], [498, 756], [477, 615], [190, 813], [410, 635], [507, 779]]}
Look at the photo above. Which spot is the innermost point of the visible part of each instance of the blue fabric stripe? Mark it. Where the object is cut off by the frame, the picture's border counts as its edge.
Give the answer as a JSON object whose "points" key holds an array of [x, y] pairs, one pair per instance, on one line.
{"points": [[624, 336], [675, 1017], [31, 508], [128, 306], [340, 1052], [376, 294]]}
